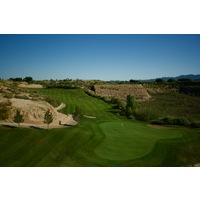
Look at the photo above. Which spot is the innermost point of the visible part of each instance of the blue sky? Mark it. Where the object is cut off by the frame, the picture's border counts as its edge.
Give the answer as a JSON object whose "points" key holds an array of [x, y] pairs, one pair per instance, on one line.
{"points": [[105, 57]]}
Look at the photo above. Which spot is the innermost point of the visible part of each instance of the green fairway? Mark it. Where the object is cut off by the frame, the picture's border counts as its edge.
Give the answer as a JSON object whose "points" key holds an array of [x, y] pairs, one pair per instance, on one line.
{"points": [[130, 140], [89, 105], [107, 140]]}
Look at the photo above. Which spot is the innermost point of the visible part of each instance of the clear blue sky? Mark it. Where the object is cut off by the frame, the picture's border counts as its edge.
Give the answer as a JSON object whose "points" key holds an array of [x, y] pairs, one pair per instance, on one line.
{"points": [[105, 57]]}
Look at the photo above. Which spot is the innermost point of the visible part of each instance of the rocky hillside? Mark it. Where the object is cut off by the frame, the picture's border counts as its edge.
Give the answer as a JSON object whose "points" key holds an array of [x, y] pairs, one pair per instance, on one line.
{"points": [[31, 105], [122, 90]]}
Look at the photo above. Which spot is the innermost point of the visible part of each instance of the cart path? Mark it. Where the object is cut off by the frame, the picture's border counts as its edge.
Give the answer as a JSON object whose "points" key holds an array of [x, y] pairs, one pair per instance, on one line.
{"points": [[61, 106]]}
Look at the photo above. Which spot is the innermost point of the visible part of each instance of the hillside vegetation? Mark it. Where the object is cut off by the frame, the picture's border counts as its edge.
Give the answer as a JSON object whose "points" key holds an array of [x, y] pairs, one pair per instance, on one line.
{"points": [[160, 103], [121, 91]]}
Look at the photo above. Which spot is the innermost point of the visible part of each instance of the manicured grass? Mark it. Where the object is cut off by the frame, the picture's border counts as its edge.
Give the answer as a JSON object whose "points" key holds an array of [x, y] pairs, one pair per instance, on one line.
{"points": [[130, 140], [102, 141], [72, 97]]}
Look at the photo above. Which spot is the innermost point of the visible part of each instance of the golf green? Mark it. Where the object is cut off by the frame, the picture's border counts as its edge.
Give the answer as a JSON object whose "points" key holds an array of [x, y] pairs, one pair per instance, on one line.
{"points": [[129, 140]]}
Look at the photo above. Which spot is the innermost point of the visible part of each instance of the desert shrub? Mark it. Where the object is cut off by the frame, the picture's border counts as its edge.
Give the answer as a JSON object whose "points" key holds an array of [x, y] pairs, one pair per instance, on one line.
{"points": [[8, 95], [16, 92], [106, 99], [48, 118], [181, 121], [129, 112], [60, 85], [4, 110], [11, 89], [93, 94], [77, 114], [143, 116], [168, 120], [195, 124], [132, 104], [34, 94], [53, 102], [159, 80], [114, 100], [18, 118], [121, 105], [28, 79], [90, 93], [22, 97], [157, 122]]}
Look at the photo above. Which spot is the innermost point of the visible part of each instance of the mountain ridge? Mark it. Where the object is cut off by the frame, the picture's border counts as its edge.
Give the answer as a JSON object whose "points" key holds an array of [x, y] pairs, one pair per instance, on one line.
{"points": [[194, 77]]}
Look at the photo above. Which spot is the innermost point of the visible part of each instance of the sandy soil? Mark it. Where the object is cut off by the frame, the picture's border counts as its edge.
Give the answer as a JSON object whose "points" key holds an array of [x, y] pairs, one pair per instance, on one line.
{"points": [[25, 85], [197, 165], [61, 106], [158, 126], [34, 111], [44, 126], [91, 117]]}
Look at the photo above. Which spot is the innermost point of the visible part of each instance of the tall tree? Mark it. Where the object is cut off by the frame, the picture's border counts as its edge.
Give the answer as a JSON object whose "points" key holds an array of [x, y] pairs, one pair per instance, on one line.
{"points": [[131, 106], [28, 79], [48, 118], [77, 114], [18, 118], [159, 80]]}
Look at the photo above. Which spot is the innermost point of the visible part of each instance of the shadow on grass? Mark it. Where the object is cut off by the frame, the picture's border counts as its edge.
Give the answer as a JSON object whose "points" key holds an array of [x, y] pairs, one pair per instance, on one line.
{"points": [[35, 127], [115, 112], [9, 126], [67, 124]]}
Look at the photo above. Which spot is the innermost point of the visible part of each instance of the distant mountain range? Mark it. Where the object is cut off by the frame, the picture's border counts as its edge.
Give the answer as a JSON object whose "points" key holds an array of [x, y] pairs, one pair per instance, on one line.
{"points": [[190, 76]]}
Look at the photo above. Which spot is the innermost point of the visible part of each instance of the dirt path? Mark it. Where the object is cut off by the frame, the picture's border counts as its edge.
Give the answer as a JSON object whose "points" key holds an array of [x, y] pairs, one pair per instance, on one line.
{"points": [[158, 126], [91, 117], [60, 107]]}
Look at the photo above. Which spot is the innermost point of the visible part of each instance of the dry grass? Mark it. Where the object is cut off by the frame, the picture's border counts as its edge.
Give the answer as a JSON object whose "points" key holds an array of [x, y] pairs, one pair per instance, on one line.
{"points": [[122, 91]]}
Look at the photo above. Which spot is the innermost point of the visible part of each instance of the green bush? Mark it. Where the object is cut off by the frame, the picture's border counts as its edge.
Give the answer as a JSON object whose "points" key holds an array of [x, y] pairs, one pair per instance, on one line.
{"points": [[195, 124], [157, 122], [129, 112], [143, 116], [53, 102], [91, 93], [106, 99], [8, 95], [114, 100], [181, 121], [22, 97], [4, 110]]}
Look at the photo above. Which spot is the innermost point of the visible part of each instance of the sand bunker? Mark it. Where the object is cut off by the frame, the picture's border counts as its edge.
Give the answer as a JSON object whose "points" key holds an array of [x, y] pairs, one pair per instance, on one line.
{"points": [[158, 126], [26, 85]]}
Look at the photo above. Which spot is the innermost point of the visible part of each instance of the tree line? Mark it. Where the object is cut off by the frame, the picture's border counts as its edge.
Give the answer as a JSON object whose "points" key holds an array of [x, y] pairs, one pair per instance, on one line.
{"points": [[27, 79]]}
